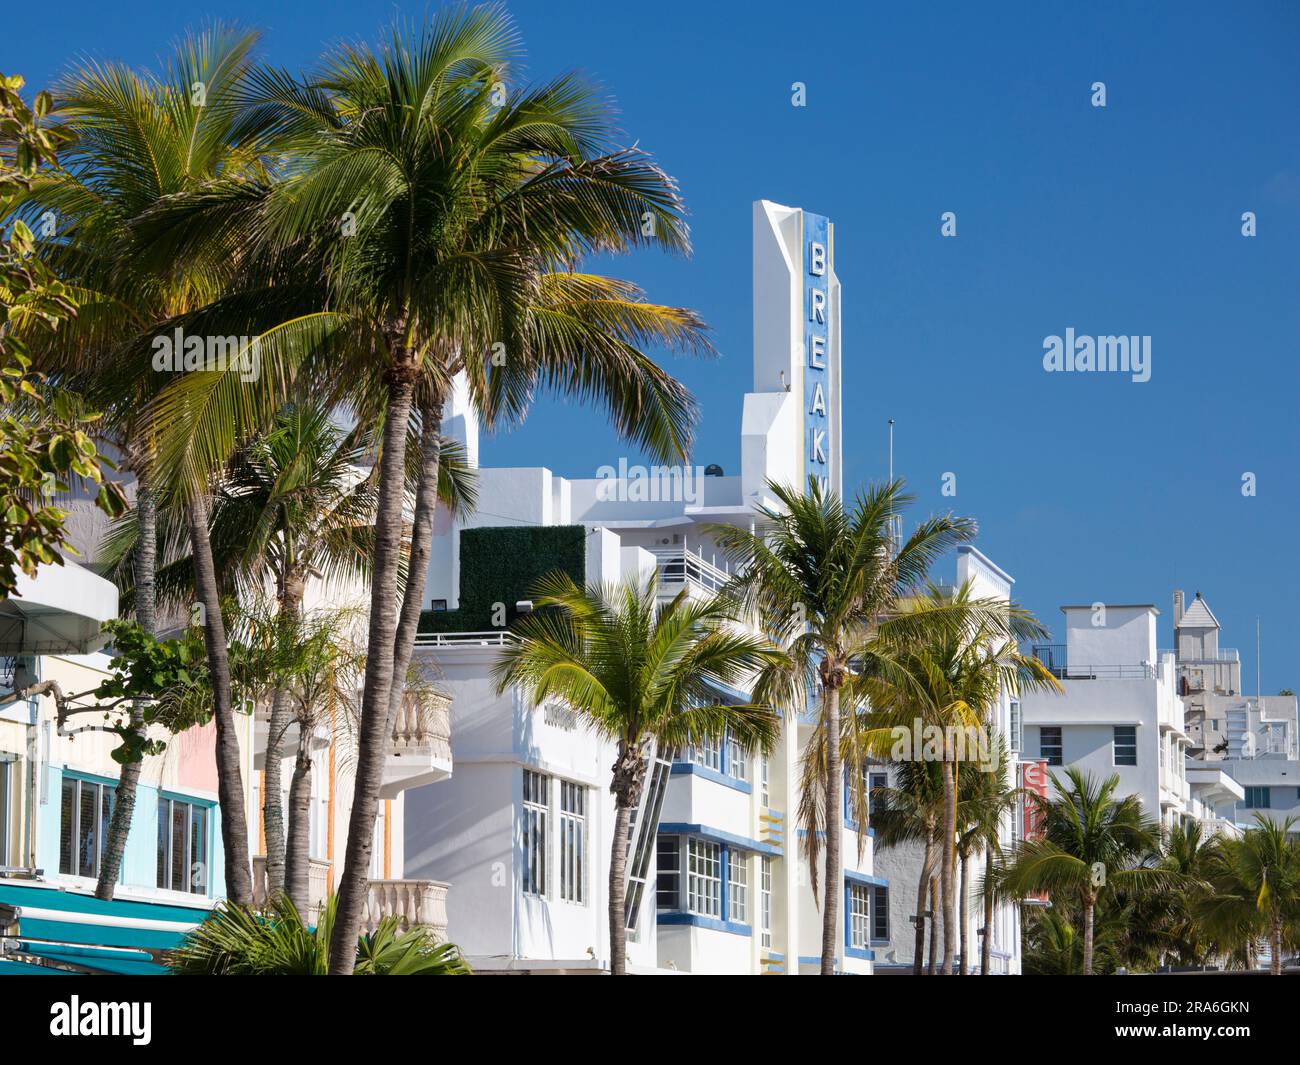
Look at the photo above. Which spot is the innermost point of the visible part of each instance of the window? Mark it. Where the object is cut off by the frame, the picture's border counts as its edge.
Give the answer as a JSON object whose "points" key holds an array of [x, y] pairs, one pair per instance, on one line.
{"points": [[880, 914], [704, 878], [6, 815], [708, 753], [764, 794], [1015, 737], [765, 899], [1126, 745], [86, 810], [535, 836], [859, 915], [738, 886], [668, 886], [1214, 724], [573, 842], [182, 846], [1258, 798], [737, 763], [1049, 744]]}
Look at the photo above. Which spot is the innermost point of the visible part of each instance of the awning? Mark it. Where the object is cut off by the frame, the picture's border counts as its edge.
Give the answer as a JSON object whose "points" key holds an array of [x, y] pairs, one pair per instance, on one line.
{"points": [[59, 612], [45, 930]]}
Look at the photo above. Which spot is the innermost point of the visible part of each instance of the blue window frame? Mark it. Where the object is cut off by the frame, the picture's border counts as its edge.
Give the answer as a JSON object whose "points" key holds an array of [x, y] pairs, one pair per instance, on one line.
{"points": [[1258, 798], [704, 882]]}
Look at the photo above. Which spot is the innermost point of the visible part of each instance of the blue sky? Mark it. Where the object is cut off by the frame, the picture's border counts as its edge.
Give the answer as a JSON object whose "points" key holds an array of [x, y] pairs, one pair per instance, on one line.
{"points": [[1122, 220]]}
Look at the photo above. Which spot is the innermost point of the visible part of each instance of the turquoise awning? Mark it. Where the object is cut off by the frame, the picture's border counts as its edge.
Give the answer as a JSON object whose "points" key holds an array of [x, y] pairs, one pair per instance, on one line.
{"points": [[48, 930]]}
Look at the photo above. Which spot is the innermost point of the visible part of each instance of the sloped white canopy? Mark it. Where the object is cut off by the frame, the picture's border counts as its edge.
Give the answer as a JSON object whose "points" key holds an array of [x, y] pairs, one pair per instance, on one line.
{"points": [[59, 611]]}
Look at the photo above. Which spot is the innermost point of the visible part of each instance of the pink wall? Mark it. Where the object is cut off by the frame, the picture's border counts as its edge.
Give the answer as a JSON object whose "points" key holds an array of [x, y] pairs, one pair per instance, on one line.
{"points": [[197, 748]]}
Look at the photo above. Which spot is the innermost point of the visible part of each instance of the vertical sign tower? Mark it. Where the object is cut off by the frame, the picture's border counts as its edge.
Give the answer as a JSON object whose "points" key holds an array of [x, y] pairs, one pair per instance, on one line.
{"points": [[792, 418]]}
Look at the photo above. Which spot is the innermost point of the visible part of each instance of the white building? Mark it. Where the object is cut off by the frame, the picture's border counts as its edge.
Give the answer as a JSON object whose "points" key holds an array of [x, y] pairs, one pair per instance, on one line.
{"points": [[1222, 722], [522, 829], [1120, 713]]}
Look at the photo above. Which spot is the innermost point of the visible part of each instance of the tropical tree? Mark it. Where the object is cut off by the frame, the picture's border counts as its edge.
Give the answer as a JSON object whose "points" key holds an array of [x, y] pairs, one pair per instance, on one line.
{"points": [[819, 577], [985, 801], [239, 941], [1091, 845], [947, 673], [45, 441], [909, 813], [1053, 945], [431, 223], [644, 675], [141, 141], [1254, 889]]}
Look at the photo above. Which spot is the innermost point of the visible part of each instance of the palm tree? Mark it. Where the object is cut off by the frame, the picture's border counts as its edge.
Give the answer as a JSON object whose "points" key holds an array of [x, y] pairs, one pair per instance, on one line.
{"points": [[820, 577], [140, 141], [237, 941], [909, 813], [446, 217], [984, 804], [1254, 889], [948, 672], [1091, 845], [643, 675], [1053, 946]]}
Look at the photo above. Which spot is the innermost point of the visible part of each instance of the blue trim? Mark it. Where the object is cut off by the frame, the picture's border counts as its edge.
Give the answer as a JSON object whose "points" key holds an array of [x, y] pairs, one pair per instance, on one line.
{"points": [[865, 878], [93, 778], [729, 691], [717, 835], [860, 955], [691, 769], [711, 923]]}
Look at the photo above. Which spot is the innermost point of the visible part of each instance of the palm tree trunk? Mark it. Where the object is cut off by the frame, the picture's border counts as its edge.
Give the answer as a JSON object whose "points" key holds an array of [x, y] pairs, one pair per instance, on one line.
{"points": [[946, 865], [417, 570], [1275, 944], [297, 864], [292, 589], [986, 942], [230, 788], [934, 926], [144, 571], [834, 834], [963, 914], [922, 890], [1089, 912], [618, 889], [373, 735], [273, 793]]}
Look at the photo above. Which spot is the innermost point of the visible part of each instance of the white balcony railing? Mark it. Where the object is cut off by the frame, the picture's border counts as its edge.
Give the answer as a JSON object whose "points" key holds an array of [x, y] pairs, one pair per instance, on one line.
{"points": [[413, 902], [318, 884], [678, 566], [491, 638]]}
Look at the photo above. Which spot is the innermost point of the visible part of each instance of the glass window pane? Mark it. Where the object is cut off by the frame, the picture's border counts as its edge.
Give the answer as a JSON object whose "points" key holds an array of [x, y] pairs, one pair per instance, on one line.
{"points": [[86, 849], [164, 824], [67, 826], [198, 849], [178, 834]]}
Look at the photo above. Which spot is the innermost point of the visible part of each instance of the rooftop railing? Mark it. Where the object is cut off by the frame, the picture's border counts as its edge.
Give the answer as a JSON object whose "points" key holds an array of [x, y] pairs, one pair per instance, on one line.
{"points": [[1055, 658], [490, 638]]}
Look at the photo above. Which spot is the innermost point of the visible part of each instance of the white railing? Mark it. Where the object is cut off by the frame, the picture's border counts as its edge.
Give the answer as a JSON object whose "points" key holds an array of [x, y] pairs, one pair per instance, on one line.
{"points": [[423, 723], [413, 902], [318, 884], [491, 638], [679, 566]]}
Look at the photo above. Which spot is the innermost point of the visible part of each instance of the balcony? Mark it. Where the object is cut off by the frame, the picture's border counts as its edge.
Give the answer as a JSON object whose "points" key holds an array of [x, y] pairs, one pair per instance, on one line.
{"points": [[490, 638], [420, 749], [412, 902], [318, 884], [1055, 658], [678, 566]]}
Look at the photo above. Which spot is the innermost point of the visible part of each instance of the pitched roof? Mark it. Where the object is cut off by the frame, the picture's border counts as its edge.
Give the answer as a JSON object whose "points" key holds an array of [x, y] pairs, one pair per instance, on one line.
{"points": [[1198, 616]]}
